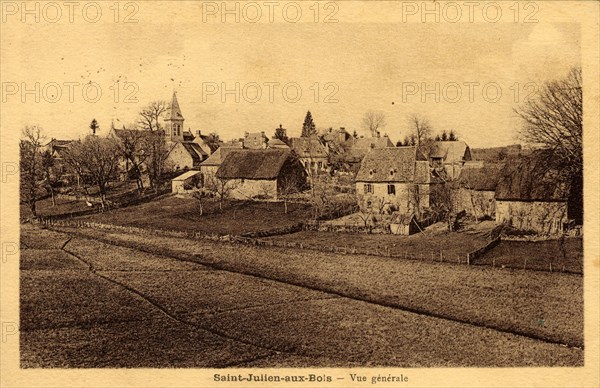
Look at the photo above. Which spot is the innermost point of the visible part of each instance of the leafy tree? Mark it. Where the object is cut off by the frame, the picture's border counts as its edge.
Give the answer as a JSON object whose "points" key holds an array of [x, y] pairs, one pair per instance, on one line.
{"points": [[31, 169], [444, 136], [281, 134], [452, 136], [94, 126], [438, 138], [308, 127], [553, 122]]}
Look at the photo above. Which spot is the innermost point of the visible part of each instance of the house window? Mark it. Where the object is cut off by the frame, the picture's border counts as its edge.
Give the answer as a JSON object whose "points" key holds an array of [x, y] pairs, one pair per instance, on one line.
{"points": [[391, 189], [370, 172], [368, 188]]}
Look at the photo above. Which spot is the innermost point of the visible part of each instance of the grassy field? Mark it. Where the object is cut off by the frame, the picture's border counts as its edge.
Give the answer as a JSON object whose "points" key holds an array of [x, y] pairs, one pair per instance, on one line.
{"points": [[183, 214], [544, 305], [426, 245], [150, 310], [537, 255]]}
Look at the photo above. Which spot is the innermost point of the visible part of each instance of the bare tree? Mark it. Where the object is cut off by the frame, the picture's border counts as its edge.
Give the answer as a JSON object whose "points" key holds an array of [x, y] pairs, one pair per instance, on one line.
{"points": [[151, 114], [95, 160], [553, 121], [420, 128], [51, 178], [132, 146], [31, 169], [203, 196], [155, 150], [373, 121], [222, 187]]}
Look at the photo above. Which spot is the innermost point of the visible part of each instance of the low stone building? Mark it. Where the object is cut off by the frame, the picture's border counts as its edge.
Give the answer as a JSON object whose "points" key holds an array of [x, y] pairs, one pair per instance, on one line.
{"points": [[529, 196], [394, 179], [264, 174], [186, 182], [475, 189]]}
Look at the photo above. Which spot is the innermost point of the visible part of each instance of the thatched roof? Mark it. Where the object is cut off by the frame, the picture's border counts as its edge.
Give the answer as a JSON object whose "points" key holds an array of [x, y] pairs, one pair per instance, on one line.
{"points": [[483, 178], [530, 179], [254, 164], [394, 164]]}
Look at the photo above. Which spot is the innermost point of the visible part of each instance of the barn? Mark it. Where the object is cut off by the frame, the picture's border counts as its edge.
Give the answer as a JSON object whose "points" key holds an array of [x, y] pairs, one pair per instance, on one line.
{"points": [[265, 174], [530, 196], [475, 190]]}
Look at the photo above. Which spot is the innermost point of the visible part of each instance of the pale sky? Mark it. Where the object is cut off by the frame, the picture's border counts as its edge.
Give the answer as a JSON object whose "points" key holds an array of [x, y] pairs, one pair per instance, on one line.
{"points": [[370, 58]]}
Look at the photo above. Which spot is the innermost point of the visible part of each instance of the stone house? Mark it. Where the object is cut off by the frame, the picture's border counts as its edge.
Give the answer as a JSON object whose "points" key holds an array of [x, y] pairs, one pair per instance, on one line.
{"points": [[530, 196], [357, 148], [448, 157], [255, 141], [186, 155], [475, 189], [211, 165], [312, 153], [264, 174], [394, 179]]}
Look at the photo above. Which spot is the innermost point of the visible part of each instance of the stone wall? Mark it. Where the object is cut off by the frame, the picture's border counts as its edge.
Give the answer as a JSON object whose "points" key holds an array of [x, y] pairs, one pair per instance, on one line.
{"points": [[542, 217]]}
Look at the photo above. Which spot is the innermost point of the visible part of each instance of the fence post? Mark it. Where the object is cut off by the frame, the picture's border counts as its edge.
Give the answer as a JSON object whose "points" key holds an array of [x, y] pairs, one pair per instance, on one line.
{"points": [[525, 264], [468, 259], [441, 256]]}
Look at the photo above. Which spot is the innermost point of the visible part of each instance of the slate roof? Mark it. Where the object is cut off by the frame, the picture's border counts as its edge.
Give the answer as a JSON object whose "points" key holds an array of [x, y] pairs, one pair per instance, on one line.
{"points": [[483, 178], [197, 153], [277, 143], [530, 179], [367, 143], [253, 164], [174, 113], [186, 175], [217, 157], [308, 147], [394, 164], [450, 151]]}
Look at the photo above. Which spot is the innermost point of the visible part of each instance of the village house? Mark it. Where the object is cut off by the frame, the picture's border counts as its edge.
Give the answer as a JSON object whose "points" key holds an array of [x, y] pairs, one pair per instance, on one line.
{"points": [[475, 189], [448, 157], [394, 179], [276, 143], [211, 165], [529, 196], [312, 154], [266, 174], [255, 140], [357, 148]]}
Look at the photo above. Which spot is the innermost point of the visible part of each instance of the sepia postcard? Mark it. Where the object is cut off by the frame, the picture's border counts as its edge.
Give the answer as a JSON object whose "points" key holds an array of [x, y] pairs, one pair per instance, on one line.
{"points": [[300, 193]]}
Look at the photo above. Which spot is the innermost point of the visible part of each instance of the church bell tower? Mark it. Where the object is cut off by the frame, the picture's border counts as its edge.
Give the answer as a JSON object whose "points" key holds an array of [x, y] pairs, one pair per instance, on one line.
{"points": [[174, 121]]}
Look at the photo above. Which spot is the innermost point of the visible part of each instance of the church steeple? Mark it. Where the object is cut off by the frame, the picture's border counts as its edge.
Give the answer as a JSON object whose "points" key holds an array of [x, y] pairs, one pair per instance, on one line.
{"points": [[174, 120]]}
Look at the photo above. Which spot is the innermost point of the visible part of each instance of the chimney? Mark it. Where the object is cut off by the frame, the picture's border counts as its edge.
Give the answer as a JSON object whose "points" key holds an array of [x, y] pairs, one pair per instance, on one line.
{"points": [[246, 134], [198, 133]]}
